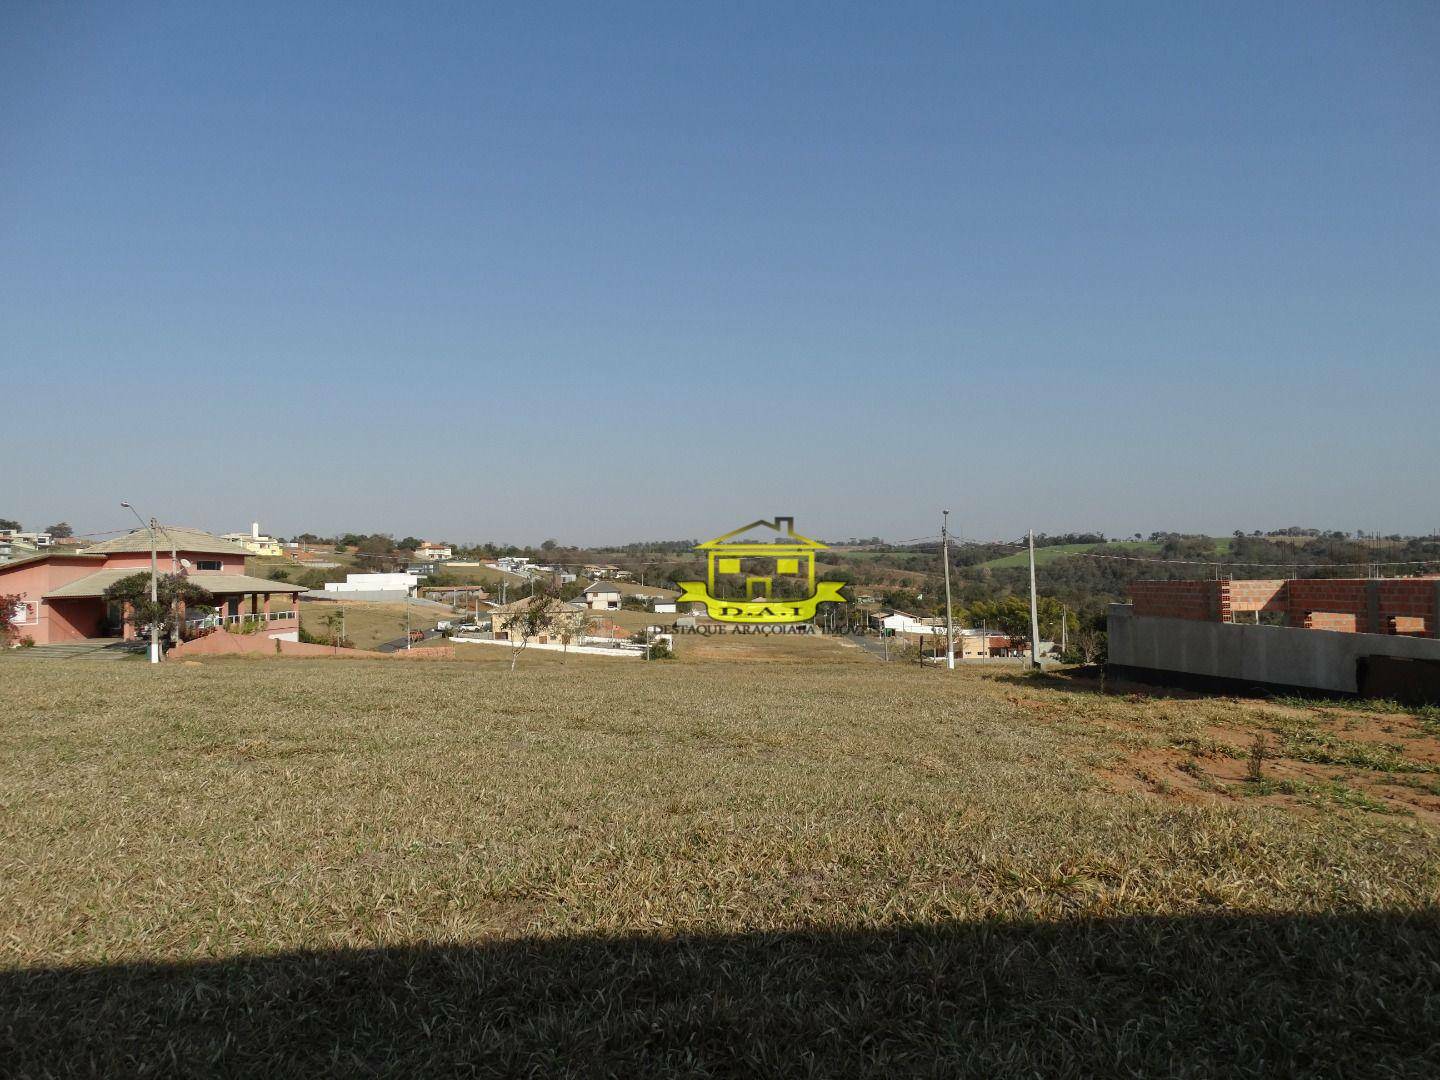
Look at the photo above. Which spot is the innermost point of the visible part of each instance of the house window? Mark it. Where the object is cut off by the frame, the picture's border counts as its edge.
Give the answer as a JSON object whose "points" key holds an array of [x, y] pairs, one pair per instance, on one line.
{"points": [[207, 564], [27, 613]]}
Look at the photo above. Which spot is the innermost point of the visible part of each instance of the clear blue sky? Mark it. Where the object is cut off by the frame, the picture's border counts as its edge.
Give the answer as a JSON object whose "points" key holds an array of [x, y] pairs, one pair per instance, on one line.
{"points": [[605, 272]]}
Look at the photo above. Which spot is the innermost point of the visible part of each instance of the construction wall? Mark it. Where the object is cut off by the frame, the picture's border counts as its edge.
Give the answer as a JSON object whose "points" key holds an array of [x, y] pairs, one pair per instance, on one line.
{"points": [[1200, 600], [1241, 655], [1405, 606]]}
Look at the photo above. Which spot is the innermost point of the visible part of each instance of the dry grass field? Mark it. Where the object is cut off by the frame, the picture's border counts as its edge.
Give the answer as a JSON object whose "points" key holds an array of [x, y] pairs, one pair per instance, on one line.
{"points": [[368, 623], [800, 862]]}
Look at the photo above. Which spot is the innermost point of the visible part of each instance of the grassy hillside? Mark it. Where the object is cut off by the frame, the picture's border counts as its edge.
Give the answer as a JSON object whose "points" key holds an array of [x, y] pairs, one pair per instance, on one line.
{"points": [[1046, 555], [710, 867], [486, 575]]}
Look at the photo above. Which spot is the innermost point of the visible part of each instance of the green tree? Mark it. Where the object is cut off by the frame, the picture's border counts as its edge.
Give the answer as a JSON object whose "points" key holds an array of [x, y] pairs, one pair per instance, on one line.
{"points": [[1011, 616], [60, 531], [134, 590], [11, 524], [378, 544]]}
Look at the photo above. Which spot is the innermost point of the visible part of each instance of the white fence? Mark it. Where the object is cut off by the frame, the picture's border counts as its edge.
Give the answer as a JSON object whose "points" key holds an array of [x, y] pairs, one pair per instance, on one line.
{"points": [[616, 649], [210, 622]]}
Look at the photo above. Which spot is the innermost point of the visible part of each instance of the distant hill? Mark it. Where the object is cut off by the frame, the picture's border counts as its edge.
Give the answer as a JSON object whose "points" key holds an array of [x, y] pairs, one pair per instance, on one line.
{"points": [[1046, 555]]}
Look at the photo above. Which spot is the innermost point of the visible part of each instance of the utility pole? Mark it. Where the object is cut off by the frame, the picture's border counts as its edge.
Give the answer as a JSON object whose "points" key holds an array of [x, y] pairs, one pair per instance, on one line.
{"points": [[1064, 637], [175, 570], [1034, 610], [949, 611], [154, 597], [154, 583]]}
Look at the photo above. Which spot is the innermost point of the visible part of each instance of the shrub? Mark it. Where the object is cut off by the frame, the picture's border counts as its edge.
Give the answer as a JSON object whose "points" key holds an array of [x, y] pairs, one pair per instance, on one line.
{"points": [[9, 605]]}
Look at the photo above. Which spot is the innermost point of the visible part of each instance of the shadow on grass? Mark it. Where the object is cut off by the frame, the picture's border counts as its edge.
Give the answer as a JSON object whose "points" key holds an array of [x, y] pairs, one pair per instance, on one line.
{"points": [[1088, 680], [1345, 995]]}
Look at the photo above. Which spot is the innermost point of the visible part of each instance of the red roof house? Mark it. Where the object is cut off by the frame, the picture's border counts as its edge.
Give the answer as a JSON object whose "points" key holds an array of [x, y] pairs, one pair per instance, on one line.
{"points": [[62, 592]]}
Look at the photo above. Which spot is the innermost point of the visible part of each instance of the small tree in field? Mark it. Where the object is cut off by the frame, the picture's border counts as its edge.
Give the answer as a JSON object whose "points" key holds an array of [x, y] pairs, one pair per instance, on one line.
{"points": [[335, 623], [538, 616]]}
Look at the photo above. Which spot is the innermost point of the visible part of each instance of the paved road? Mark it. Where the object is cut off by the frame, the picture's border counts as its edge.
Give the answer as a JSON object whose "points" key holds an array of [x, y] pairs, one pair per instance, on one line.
{"points": [[871, 644], [400, 642]]}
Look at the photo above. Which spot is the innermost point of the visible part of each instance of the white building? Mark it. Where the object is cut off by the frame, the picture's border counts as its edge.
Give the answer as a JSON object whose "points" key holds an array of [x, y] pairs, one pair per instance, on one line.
{"points": [[428, 552], [400, 585], [603, 596], [256, 542], [33, 539], [900, 622]]}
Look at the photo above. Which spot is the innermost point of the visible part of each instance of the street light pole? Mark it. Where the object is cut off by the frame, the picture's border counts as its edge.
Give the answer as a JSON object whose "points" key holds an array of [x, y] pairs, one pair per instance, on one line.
{"points": [[1034, 613], [949, 611], [154, 583]]}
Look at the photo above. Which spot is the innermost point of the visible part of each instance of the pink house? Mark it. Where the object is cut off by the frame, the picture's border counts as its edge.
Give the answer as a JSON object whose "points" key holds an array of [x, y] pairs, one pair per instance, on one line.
{"points": [[62, 593]]}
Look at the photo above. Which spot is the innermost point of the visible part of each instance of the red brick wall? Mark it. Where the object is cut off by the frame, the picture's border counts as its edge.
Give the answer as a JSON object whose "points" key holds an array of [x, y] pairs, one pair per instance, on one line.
{"points": [[1330, 620], [1200, 600], [1267, 595], [1411, 600], [1410, 597], [1345, 595], [1401, 605]]}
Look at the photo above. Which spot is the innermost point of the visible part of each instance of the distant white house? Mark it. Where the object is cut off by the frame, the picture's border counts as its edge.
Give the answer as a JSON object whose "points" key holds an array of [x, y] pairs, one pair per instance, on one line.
{"points": [[664, 607], [606, 570], [256, 542], [603, 596], [33, 539], [400, 585], [901, 622], [429, 552]]}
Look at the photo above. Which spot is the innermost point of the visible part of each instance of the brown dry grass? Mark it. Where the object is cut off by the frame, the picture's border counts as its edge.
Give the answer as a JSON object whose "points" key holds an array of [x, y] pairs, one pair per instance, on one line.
{"points": [[368, 624], [707, 867]]}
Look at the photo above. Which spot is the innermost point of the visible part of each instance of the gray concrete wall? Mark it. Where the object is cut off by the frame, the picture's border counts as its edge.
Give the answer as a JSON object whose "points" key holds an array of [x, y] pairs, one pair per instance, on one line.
{"points": [[1281, 655]]}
